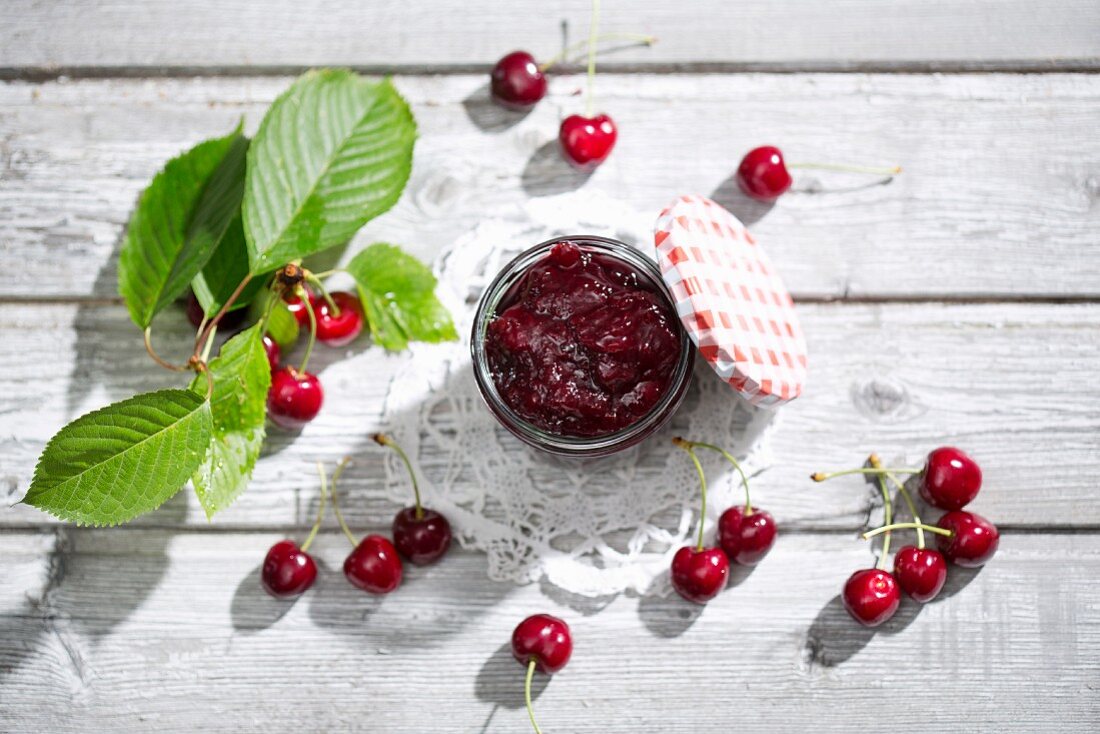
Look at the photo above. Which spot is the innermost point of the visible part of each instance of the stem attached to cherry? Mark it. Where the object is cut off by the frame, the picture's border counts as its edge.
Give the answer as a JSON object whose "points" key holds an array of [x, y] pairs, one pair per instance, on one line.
{"points": [[320, 508], [729, 457], [336, 505], [912, 507], [592, 35], [823, 476], [205, 333], [908, 526], [689, 447], [308, 304], [572, 48], [527, 694], [872, 170], [156, 357], [316, 281], [383, 440], [888, 515]]}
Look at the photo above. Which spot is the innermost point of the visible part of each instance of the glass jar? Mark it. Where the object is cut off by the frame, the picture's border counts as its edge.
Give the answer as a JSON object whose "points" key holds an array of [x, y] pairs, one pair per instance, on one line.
{"points": [[638, 266]]}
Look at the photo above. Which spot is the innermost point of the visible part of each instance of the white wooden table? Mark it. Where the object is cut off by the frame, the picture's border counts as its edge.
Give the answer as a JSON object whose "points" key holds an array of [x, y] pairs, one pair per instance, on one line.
{"points": [[960, 303]]}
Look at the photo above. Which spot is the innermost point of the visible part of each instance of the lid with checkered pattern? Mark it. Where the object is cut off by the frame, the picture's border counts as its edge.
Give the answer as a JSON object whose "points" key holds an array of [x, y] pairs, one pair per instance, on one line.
{"points": [[731, 300]]}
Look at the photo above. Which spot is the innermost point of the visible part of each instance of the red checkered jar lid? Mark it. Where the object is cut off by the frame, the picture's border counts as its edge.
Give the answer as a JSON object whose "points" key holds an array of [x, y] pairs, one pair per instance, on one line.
{"points": [[731, 301]]}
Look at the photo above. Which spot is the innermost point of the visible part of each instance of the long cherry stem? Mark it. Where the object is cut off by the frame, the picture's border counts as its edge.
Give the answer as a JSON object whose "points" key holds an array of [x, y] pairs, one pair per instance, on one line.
{"points": [[888, 516], [592, 34], [912, 507], [730, 459], [383, 440], [203, 335], [908, 526], [336, 505], [527, 694], [320, 508], [823, 476], [690, 449], [873, 170], [301, 293], [316, 280], [156, 357], [572, 48]]}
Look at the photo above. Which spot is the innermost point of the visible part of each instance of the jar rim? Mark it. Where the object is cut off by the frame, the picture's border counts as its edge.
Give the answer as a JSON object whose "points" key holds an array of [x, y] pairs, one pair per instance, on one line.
{"points": [[579, 446]]}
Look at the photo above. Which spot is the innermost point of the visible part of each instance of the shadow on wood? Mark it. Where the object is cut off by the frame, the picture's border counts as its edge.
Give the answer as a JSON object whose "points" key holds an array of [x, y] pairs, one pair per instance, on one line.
{"points": [[500, 680], [487, 115], [547, 173]]}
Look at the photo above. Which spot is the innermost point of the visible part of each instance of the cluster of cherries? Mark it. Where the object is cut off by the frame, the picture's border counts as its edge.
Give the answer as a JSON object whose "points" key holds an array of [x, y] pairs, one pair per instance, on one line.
{"points": [[949, 480], [420, 536], [745, 535]]}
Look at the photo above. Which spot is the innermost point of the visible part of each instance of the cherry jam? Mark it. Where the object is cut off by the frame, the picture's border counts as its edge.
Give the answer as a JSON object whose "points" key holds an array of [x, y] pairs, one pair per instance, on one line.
{"points": [[583, 343]]}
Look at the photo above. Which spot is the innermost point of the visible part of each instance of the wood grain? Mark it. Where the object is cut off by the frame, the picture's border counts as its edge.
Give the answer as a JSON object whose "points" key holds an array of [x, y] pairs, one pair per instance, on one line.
{"points": [[203, 34], [1012, 384], [1006, 218], [132, 630]]}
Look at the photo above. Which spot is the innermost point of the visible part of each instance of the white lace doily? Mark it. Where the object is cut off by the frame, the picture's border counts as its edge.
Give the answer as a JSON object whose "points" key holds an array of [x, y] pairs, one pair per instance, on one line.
{"points": [[593, 527]]}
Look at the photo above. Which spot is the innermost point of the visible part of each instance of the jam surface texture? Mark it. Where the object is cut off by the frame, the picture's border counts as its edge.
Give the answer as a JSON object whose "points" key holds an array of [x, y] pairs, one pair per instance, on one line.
{"points": [[583, 344]]}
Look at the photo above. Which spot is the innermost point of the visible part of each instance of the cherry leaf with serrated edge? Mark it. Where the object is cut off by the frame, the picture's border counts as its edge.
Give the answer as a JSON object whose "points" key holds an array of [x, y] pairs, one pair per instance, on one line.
{"points": [[238, 407], [121, 461], [398, 295], [333, 152], [179, 221]]}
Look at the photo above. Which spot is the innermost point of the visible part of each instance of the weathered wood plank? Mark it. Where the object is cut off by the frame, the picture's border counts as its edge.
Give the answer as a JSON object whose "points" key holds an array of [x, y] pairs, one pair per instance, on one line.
{"points": [[127, 630], [202, 34], [1013, 384], [982, 209]]}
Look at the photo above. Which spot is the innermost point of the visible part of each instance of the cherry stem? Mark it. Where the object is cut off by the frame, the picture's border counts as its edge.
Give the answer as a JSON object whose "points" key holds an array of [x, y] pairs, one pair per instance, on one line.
{"points": [[320, 508], [209, 345], [316, 280], [304, 298], [328, 273], [156, 357], [730, 459], [383, 440], [204, 334], [336, 506], [823, 476], [873, 170], [527, 694], [592, 35], [689, 447], [912, 507], [908, 526], [572, 48], [888, 515]]}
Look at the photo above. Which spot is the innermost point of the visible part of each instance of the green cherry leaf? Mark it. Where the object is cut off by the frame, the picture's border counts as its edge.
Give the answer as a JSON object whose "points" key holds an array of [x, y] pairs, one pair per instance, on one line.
{"points": [[238, 406], [179, 221], [116, 463], [398, 295], [333, 152], [225, 270], [281, 324]]}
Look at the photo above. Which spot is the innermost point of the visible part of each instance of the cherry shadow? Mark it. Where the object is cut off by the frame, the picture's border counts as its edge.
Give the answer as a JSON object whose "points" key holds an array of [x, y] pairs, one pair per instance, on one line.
{"points": [[547, 173], [729, 195], [501, 678], [489, 116], [253, 609], [668, 617]]}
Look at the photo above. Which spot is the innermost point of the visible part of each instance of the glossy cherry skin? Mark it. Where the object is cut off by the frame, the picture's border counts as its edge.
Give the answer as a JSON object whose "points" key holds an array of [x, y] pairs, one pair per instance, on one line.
{"points": [[422, 540], [374, 565], [920, 572], [517, 82], [587, 141], [271, 348], [763, 175], [699, 575], [974, 542], [544, 639], [950, 480], [288, 570], [294, 398], [746, 539], [871, 596], [333, 330]]}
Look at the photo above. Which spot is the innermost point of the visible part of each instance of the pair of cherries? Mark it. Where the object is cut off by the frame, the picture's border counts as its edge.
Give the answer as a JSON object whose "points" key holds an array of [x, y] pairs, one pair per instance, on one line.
{"points": [[420, 535], [949, 481], [745, 535], [296, 395]]}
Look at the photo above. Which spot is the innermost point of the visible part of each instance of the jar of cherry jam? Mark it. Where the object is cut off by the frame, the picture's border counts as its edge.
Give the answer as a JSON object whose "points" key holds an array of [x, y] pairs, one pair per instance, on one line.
{"points": [[577, 348]]}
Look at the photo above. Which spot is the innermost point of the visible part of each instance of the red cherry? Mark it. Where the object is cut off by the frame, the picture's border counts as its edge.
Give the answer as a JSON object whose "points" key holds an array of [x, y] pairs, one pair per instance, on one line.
{"points": [[699, 575], [271, 347], [746, 538], [762, 174], [974, 542], [871, 596], [544, 639], [336, 331], [517, 82], [374, 565], [297, 307], [287, 570], [294, 398], [951, 479], [422, 539], [920, 572], [587, 141]]}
